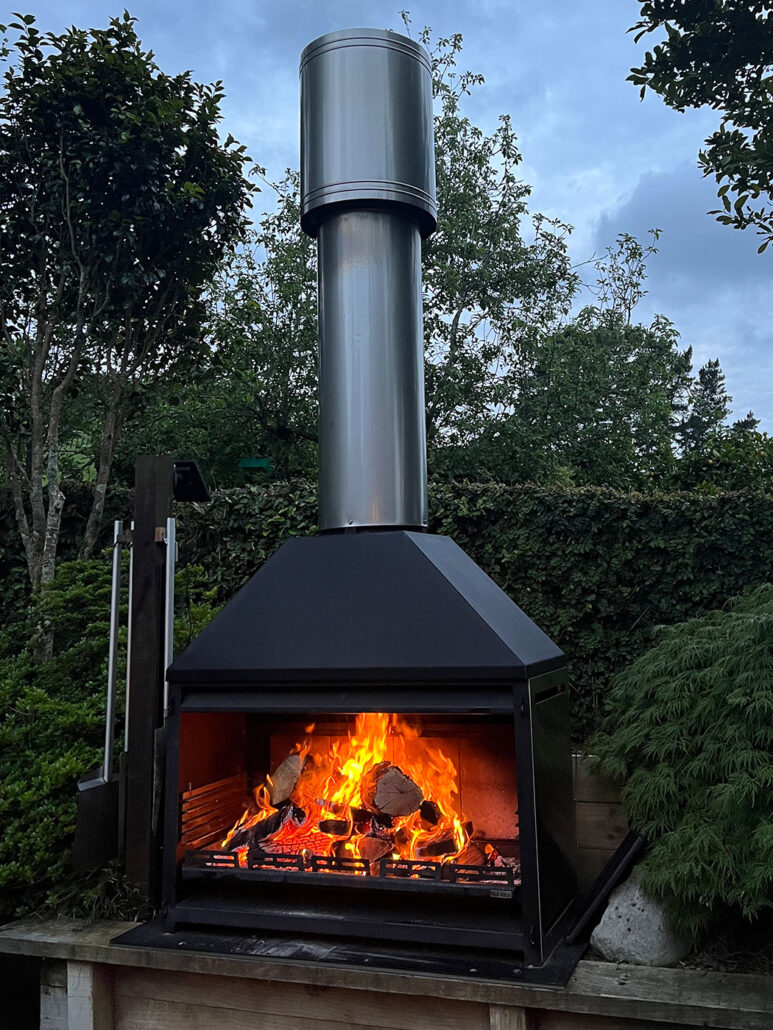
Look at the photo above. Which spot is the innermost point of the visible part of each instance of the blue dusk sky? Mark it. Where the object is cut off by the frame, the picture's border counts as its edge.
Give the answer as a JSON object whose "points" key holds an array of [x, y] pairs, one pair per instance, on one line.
{"points": [[594, 154]]}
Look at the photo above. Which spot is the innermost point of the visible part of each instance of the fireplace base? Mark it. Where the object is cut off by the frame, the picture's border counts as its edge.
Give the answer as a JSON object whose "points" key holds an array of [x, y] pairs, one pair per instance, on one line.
{"points": [[429, 960]]}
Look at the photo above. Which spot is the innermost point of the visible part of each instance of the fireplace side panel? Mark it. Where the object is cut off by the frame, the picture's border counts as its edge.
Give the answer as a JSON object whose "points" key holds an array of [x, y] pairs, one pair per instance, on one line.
{"points": [[553, 794]]}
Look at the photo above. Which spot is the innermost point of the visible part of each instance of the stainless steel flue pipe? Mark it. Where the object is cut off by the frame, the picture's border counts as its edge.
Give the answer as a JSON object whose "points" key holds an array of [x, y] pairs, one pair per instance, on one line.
{"points": [[368, 196]]}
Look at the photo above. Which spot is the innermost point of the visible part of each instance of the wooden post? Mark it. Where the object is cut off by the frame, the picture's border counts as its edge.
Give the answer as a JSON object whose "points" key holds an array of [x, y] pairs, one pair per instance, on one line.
{"points": [[510, 1017], [89, 996], [53, 994], [153, 482]]}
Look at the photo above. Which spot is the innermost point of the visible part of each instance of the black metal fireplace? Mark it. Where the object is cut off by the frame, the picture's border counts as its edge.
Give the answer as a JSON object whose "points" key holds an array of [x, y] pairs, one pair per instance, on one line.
{"points": [[371, 740]]}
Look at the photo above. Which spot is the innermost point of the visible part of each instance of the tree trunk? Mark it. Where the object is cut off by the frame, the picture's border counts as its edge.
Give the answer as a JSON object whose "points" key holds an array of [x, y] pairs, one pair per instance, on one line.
{"points": [[110, 432]]}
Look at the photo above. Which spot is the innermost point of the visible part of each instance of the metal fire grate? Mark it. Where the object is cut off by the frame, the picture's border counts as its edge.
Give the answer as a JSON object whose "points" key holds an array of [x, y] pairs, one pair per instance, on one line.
{"points": [[399, 873]]}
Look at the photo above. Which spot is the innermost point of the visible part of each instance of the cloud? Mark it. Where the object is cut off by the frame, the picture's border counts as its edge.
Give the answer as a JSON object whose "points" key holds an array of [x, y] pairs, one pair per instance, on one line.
{"points": [[697, 254], [707, 278]]}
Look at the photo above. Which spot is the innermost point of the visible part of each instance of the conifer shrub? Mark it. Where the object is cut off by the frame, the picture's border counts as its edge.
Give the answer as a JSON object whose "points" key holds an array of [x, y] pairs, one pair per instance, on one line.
{"points": [[689, 726]]}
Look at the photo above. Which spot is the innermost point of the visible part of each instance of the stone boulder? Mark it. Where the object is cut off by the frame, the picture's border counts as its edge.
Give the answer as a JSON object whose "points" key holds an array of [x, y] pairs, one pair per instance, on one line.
{"points": [[634, 929]]}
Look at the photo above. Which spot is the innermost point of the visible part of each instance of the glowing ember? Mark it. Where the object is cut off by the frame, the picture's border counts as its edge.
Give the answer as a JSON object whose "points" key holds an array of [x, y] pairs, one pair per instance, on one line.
{"points": [[385, 791]]}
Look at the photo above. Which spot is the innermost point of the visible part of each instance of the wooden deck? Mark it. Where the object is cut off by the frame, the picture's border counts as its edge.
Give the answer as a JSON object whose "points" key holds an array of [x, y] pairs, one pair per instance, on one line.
{"points": [[89, 984]]}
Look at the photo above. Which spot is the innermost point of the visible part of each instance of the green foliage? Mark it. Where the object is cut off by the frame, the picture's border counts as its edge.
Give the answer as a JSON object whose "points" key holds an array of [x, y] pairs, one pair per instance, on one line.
{"points": [[719, 54], [730, 458], [257, 397], [622, 271], [690, 726], [596, 568], [52, 732], [241, 528], [516, 390], [597, 406], [102, 894], [117, 203], [709, 410], [494, 275]]}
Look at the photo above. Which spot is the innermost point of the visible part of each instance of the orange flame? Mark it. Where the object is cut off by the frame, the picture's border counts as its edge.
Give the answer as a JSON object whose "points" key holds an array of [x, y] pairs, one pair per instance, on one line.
{"points": [[330, 787]]}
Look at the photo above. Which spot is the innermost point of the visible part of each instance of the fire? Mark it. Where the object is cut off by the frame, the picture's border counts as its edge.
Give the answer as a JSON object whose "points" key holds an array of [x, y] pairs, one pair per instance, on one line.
{"points": [[330, 809]]}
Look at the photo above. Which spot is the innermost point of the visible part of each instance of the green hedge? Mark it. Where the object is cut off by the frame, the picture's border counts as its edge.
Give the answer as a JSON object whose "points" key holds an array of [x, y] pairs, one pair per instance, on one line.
{"points": [[52, 727], [597, 569]]}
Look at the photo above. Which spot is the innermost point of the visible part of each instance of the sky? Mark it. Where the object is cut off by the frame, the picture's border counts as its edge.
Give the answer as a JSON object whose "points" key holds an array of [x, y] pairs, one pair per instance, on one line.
{"points": [[595, 155]]}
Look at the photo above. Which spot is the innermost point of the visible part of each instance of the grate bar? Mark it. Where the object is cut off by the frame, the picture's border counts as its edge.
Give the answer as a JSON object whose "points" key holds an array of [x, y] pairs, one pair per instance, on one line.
{"points": [[388, 869]]}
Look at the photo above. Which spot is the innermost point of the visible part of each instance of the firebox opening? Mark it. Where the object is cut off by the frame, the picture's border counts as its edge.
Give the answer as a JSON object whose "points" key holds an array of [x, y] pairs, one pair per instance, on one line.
{"points": [[386, 798]]}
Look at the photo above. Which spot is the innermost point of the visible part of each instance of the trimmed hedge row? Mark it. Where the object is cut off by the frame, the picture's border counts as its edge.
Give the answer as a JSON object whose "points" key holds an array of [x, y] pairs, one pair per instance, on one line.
{"points": [[596, 568]]}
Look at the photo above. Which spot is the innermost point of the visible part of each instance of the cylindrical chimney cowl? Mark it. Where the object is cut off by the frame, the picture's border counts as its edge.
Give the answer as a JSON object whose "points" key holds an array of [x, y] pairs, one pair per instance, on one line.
{"points": [[368, 195]]}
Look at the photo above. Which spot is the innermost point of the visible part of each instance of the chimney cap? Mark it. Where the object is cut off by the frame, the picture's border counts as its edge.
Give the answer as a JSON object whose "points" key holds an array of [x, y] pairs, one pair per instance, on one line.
{"points": [[367, 127]]}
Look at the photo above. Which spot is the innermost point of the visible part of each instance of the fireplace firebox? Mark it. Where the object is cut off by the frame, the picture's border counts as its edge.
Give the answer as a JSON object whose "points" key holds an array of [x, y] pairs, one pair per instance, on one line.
{"points": [[371, 740]]}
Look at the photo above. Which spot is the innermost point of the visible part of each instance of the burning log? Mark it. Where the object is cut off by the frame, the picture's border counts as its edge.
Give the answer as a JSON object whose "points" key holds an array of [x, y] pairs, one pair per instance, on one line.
{"points": [[402, 838], [430, 814], [446, 846], [360, 816], [373, 848], [471, 854], [335, 827], [282, 781], [252, 834], [386, 788]]}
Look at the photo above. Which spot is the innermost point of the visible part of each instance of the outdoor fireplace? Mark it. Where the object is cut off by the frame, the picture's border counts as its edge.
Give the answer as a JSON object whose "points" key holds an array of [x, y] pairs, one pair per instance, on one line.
{"points": [[371, 740]]}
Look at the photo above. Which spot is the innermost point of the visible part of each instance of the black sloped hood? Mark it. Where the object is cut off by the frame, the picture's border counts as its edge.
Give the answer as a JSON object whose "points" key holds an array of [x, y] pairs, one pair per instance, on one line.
{"points": [[389, 606]]}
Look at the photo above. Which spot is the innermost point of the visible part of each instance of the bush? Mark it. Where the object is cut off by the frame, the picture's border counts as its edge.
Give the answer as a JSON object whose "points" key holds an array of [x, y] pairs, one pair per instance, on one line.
{"points": [[52, 732], [690, 726]]}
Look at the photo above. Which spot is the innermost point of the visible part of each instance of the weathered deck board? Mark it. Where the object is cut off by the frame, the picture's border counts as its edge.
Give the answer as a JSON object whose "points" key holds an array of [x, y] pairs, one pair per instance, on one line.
{"points": [[573, 1021], [89, 996], [150, 1014], [53, 995], [505, 1017]]}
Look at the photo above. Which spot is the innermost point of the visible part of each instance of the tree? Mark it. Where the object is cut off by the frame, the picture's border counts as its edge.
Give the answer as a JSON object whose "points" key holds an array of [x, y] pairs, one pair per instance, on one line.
{"points": [[516, 390], [596, 407], [720, 54], [622, 272], [733, 458], [709, 408], [488, 292], [689, 729], [117, 201], [257, 395]]}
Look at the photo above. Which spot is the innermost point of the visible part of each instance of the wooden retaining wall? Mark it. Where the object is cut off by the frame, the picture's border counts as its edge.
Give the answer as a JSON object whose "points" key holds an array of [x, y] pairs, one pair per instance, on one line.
{"points": [[89, 984], [601, 822]]}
